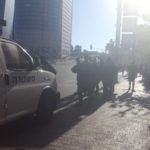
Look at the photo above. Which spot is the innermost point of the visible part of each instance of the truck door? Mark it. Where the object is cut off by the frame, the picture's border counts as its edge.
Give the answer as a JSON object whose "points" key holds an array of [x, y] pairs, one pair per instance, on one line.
{"points": [[20, 81]]}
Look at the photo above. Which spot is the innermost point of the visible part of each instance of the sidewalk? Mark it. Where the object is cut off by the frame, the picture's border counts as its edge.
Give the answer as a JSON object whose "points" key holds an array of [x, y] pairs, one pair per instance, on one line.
{"points": [[120, 123]]}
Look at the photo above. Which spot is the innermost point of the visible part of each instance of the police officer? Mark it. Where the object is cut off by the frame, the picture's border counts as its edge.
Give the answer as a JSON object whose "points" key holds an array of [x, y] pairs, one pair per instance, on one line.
{"points": [[78, 70], [108, 76], [96, 75]]}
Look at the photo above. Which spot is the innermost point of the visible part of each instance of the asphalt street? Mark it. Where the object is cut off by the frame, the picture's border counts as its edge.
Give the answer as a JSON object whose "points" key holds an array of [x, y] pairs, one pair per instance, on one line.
{"points": [[119, 123]]}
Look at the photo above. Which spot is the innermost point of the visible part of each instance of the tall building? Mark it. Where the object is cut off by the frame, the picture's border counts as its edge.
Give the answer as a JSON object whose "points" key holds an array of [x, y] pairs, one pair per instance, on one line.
{"points": [[44, 26], [66, 35], [2, 9], [126, 24], [127, 16]]}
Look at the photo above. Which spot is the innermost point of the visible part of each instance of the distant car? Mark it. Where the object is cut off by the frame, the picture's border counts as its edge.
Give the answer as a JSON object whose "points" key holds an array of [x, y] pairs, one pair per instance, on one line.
{"points": [[25, 88]]}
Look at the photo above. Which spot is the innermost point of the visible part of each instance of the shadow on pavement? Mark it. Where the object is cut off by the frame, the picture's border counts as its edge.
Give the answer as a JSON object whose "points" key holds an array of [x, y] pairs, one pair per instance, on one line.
{"points": [[29, 133], [131, 103], [146, 85]]}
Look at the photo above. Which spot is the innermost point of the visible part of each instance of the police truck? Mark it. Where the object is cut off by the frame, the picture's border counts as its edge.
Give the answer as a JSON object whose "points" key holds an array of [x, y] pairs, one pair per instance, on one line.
{"points": [[25, 88]]}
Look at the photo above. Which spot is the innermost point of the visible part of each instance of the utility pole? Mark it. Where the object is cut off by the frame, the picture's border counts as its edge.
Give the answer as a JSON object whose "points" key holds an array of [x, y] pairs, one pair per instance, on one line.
{"points": [[119, 23]]}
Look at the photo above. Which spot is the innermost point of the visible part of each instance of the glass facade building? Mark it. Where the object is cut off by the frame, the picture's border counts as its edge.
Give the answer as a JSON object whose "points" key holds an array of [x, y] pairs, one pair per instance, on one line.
{"points": [[44, 26], [127, 17], [2, 9], [66, 27]]}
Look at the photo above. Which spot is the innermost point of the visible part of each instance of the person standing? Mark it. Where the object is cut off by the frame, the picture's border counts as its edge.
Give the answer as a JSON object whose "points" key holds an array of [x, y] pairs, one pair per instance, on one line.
{"points": [[108, 77], [132, 74], [79, 71]]}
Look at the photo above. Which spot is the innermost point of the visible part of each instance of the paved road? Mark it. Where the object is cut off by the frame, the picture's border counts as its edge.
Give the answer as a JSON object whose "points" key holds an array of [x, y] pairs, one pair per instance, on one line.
{"points": [[120, 123]]}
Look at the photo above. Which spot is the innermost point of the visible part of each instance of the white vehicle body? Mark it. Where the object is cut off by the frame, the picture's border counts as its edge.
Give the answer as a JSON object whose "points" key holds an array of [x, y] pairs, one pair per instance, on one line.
{"points": [[21, 83]]}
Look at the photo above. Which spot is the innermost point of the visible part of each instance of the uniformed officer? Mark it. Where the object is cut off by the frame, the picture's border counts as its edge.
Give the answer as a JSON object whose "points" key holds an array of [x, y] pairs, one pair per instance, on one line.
{"points": [[108, 77], [78, 70]]}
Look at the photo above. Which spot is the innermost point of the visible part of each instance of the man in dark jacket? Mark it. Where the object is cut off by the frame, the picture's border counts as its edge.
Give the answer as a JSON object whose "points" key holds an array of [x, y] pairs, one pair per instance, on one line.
{"points": [[78, 70], [108, 77], [84, 77]]}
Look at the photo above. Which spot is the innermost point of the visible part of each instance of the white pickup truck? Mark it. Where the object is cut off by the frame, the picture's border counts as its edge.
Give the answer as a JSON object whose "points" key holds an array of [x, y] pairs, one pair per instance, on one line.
{"points": [[24, 87]]}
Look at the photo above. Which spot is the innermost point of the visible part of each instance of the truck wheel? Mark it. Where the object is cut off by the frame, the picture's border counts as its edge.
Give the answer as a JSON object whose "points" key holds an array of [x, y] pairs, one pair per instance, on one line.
{"points": [[45, 110]]}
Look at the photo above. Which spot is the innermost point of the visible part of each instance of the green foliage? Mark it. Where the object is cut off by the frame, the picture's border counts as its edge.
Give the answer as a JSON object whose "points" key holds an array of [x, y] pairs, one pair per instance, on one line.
{"points": [[110, 46], [142, 37], [146, 17]]}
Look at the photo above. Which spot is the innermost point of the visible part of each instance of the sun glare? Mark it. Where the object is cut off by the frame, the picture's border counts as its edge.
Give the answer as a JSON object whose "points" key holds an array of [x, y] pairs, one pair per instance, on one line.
{"points": [[143, 6]]}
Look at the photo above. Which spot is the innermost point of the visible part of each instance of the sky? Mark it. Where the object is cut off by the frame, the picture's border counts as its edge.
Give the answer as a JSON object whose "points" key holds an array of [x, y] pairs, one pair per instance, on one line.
{"points": [[93, 23]]}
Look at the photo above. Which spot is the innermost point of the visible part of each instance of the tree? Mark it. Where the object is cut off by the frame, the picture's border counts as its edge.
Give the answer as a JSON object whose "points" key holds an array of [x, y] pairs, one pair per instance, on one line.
{"points": [[146, 17], [142, 44], [110, 46]]}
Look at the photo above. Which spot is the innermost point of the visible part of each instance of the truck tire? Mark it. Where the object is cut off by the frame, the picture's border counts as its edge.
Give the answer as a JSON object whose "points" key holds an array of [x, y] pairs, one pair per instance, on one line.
{"points": [[46, 106]]}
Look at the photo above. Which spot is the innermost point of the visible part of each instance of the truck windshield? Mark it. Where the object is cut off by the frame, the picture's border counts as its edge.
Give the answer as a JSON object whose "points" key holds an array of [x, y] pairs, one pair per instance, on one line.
{"points": [[15, 57]]}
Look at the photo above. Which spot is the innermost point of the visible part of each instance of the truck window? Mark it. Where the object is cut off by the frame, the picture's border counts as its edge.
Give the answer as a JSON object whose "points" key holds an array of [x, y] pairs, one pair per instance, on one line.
{"points": [[15, 57]]}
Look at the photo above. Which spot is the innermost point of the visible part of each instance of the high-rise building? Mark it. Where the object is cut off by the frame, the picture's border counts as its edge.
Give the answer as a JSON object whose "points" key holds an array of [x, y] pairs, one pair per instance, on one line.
{"points": [[126, 24], [44, 26], [2, 9], [66, 27]]}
